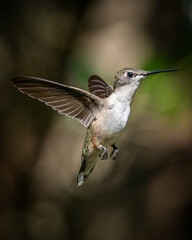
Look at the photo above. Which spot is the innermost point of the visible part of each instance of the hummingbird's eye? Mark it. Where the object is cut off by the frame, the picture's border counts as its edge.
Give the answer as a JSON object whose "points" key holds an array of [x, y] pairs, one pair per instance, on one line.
{"points": [[130, 74]]}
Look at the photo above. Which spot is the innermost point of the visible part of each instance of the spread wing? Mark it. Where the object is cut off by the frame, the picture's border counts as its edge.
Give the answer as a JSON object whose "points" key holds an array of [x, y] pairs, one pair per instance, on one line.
{"points": [[67, 100], [99, 87]]}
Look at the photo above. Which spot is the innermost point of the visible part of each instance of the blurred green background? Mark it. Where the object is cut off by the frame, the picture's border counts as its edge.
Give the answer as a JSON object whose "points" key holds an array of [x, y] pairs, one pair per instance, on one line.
{"points": [[147, 192]]}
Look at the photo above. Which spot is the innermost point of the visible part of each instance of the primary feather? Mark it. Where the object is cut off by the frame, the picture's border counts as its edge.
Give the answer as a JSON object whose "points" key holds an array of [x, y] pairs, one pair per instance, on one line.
{"points": [[71, 101]]}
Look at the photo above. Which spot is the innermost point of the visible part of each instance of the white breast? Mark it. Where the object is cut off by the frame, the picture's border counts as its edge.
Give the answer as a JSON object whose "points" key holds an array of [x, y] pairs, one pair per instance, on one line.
{"points": [[113, 118]]}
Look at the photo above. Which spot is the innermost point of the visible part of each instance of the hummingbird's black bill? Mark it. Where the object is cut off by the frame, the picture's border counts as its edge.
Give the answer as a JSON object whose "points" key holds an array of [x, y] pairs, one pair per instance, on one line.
{"points": [[160, 71]]}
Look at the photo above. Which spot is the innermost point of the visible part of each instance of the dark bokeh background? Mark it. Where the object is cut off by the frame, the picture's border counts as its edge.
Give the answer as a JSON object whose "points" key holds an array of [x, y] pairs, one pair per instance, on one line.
{"points": [[147, 192]]}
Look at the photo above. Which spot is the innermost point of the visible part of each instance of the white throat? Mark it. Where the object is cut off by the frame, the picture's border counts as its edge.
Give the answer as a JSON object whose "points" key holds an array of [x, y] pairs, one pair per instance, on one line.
{"points": [[127, 92]]}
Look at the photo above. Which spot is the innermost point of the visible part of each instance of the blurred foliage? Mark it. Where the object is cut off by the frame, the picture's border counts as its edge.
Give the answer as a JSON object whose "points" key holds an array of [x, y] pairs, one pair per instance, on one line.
{"points": [[169, 95], [147, 192]]}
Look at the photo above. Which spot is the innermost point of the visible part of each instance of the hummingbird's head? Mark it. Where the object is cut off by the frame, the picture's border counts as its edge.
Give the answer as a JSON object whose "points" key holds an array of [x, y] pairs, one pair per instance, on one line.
{"points": [[132, 76]]}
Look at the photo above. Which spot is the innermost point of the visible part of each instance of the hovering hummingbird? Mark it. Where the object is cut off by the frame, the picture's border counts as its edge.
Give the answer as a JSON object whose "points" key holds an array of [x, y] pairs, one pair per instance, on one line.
{"points": [[104, 110]]}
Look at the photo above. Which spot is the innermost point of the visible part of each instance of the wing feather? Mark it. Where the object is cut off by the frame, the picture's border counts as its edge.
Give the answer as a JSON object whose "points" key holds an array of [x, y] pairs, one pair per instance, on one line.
{"points": [[67, 100], [99, 87]]}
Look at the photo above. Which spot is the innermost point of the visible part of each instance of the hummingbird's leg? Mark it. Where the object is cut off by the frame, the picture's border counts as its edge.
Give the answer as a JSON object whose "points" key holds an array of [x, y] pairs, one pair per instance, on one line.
{"points": [[115, 152], [103, 152]]}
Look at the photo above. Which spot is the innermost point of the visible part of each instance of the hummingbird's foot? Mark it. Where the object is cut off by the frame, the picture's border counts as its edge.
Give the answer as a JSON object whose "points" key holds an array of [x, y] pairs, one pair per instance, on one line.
{"points": [[103, 152], [114, 153]]}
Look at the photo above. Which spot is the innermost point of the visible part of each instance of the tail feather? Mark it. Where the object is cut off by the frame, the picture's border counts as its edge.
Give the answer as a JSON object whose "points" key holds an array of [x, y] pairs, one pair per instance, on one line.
{"points": [[81, 176], [89, 158], [81, 179], [85, 170]]}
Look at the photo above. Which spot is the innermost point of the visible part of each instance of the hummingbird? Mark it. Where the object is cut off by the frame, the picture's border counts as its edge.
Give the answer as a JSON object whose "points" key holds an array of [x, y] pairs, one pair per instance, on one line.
{"points": [[104, 110]]}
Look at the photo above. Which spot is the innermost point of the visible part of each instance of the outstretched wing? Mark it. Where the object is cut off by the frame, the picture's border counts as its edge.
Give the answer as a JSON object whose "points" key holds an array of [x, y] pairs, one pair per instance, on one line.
{"points": [[99, 87], [67, 100]]}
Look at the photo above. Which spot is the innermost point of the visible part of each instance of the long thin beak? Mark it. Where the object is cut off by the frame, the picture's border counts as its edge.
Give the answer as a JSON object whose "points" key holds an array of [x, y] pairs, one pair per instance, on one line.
{"points": [[160, 71]]}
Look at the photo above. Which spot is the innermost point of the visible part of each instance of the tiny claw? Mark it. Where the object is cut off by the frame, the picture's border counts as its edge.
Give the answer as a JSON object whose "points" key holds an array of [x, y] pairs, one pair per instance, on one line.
{"points": [[103, 153], [114, 153]]}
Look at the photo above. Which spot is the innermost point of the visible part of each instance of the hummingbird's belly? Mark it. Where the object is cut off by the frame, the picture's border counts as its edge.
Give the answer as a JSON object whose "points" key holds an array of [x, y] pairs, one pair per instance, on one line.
{"points": [[110, 122]]}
